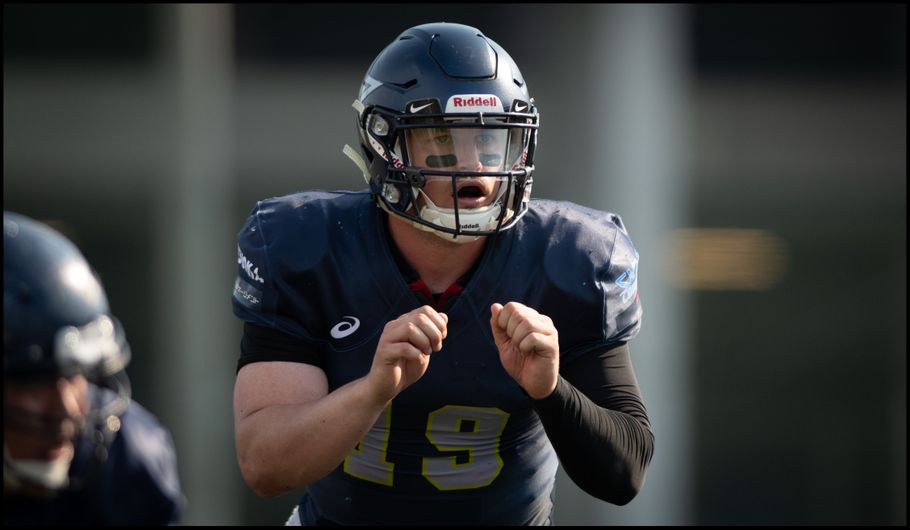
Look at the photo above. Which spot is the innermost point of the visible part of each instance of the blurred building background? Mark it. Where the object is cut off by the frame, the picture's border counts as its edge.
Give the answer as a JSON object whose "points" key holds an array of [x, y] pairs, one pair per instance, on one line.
{"points": [[757, 154]]}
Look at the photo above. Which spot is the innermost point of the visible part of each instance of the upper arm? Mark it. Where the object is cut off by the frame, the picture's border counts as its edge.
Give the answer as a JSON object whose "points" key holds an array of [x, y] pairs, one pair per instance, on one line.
{"points": [[268, 397], [263, 384]]}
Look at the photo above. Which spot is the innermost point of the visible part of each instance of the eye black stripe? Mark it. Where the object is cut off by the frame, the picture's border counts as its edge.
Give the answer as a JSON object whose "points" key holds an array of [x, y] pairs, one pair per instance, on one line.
{"points": [[441, 160]]}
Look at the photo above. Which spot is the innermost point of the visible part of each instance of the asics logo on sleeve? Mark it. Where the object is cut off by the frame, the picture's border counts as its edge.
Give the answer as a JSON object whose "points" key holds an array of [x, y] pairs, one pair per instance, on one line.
{"points": [[344, 328]]}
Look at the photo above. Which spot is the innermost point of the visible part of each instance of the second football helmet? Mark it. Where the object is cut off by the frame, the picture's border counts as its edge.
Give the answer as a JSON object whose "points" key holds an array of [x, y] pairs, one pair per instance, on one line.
{"points": [[57, 323]]}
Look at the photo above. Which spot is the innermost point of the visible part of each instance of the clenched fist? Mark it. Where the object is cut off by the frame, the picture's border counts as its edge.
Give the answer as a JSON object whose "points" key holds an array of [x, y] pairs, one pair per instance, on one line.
{"points": [[403, 353], [528, 347]]}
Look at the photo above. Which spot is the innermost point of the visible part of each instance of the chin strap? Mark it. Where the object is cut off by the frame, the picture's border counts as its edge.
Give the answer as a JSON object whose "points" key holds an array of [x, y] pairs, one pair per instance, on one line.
{"points": [[431, 212], [358, 161], [352, 153], [443, 235], [483, 218]]}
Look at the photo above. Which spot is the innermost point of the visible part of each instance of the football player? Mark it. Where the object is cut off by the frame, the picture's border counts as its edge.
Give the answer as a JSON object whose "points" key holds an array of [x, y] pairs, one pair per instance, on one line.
{"points": [[426, 351], [76, 449]]}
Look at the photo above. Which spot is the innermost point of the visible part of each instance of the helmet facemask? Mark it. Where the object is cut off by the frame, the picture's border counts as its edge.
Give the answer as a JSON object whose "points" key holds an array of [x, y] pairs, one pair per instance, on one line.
{"points": [[437, 82], [476, 165], [95, 353]]}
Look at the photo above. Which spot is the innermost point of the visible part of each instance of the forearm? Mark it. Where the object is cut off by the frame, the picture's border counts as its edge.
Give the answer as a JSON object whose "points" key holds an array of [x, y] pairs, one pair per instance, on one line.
{"points": [[291, 431], [605, 452], [283, 447]]}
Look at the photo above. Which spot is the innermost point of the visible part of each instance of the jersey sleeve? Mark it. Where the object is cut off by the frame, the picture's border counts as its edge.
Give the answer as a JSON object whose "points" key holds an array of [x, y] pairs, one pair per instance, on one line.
{"points": [[253, 298], [601, 280], [263, 287]]}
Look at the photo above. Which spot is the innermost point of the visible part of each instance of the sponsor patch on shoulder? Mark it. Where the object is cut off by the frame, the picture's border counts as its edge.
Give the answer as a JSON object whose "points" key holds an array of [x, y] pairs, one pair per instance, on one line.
{"points": [[251, 270], [246, 294]]}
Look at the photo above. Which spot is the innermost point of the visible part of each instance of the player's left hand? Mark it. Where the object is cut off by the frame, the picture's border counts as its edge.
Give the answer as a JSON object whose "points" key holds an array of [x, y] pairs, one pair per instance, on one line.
{"points": [[528, 347]]}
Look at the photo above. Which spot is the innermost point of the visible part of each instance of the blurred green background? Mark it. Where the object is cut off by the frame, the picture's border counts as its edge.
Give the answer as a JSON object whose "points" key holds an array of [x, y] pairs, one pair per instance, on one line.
{"points": [[757, 154]]}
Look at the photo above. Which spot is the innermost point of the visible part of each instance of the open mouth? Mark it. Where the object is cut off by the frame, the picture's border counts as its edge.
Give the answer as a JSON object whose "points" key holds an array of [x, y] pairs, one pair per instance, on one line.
{"points": [[471, 195], [470, 191]]}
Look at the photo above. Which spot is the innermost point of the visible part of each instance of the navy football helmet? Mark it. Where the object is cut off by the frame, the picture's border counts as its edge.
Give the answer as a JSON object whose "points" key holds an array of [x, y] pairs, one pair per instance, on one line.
{"points": [[440, 81], [56, 323]]}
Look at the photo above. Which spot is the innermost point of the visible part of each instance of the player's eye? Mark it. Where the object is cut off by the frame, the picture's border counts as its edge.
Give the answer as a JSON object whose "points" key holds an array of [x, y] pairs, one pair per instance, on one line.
{"points": [[442, 139]]}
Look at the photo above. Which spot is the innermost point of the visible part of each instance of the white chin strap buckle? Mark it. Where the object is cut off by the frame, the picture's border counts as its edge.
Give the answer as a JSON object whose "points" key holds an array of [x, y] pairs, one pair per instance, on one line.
{"points": [[484, 219]]}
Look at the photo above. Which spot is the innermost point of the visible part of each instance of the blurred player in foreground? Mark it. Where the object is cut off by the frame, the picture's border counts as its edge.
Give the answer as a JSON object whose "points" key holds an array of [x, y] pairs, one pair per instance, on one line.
{"points": [[76, 449]]}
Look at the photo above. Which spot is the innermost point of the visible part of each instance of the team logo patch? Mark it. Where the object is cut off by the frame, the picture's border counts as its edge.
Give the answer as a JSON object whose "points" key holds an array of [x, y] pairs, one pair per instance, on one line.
{"points": [[628, 282], [369, 84]]}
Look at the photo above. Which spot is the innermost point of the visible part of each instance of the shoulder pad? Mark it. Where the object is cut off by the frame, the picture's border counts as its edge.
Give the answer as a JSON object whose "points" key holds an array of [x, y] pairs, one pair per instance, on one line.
{"points": [[282, 249], [142, 486], [591, 269]]}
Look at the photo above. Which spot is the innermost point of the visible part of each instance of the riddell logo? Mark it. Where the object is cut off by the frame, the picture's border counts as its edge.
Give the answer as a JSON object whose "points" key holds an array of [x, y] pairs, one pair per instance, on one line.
{"points": [[474, 102]]}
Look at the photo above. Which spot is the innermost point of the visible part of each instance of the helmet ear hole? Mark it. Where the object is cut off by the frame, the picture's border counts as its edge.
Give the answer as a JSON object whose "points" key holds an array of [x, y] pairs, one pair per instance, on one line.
{"points": [[391, 193]]}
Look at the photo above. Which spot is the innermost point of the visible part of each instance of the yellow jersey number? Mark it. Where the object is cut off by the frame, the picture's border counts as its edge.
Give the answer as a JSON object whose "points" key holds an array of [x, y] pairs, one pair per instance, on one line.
{"points": [[471, 434]]}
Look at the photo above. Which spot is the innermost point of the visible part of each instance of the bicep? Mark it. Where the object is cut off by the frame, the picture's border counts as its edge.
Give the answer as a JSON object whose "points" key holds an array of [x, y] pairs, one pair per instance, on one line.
{"points": [[264, 384]]}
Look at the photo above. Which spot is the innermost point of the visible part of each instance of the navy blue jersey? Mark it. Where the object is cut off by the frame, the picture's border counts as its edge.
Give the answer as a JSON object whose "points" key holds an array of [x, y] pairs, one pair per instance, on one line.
{"points": [[463, 444], [137, 485]]}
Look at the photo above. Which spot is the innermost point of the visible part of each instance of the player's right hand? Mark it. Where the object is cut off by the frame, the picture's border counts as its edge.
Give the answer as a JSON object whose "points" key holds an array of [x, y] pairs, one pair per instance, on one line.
{"points": [[403, 353]]}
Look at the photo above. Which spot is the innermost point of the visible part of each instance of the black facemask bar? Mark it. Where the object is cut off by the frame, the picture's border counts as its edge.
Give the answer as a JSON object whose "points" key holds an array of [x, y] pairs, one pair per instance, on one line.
{"points": [[109, 400]]}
